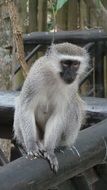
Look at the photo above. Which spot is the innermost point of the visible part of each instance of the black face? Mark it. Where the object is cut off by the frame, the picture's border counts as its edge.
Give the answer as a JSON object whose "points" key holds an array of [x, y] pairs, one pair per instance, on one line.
{"points": [[69, 70]]}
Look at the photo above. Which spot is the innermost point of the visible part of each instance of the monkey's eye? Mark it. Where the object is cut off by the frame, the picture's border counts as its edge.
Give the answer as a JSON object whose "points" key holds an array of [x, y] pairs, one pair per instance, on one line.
{"points": [[65, 64], [76, 64]]}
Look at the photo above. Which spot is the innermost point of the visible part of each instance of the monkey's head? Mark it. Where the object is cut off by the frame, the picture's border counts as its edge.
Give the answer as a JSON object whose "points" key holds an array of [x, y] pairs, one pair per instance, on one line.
{"points": [[71, 61]]}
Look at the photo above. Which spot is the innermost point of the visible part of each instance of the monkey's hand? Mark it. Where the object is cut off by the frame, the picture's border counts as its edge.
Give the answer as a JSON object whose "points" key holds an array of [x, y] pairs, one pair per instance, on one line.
{"points": [[52, 159]]}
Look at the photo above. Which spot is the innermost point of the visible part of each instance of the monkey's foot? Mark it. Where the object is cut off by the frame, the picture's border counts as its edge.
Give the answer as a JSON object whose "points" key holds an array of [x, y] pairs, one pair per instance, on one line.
{"points": [[50, 156], [32, 155], [33, 151], [60, 149]]}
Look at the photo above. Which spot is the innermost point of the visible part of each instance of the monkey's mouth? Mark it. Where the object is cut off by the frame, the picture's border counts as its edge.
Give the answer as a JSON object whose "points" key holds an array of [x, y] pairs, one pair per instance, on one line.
{"points": [[68, 79]]}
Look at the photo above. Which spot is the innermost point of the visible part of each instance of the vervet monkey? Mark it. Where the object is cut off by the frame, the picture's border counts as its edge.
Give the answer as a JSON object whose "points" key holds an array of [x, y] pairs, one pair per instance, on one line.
{"points": [[49, 111]]}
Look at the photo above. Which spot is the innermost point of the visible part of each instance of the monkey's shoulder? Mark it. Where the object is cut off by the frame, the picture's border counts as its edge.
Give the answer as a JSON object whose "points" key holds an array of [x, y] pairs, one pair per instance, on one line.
{"points": [[42, 72], [76, 104]]}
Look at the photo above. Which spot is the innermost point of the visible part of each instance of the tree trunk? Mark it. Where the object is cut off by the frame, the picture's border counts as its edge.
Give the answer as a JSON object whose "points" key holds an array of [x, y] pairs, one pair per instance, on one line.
{"points": [[42, 15], [33, 12], [100, 12], [93, 21], [72, 14], [17, 35], [84, 17], [5, 63], [22, 10], [62, 16]]}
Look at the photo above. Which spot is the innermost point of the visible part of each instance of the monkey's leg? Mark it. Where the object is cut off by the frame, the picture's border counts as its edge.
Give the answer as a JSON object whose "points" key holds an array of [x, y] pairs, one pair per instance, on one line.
{"points": [[29, 132], [52, 137], [70, 137], [19, 137], [17, 131]]}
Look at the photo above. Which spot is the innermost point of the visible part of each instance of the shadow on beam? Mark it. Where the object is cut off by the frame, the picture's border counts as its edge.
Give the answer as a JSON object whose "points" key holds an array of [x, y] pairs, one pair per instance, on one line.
{"points": [[24, 174]]}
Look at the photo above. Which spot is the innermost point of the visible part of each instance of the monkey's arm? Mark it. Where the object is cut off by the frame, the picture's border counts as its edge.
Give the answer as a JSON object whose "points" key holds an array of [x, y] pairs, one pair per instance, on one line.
{"points": [[28, 129], [28, 101]]}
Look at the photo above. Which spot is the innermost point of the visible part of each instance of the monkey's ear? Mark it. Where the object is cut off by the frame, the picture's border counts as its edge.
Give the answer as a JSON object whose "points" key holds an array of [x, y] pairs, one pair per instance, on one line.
{"points": [[89, 46]]}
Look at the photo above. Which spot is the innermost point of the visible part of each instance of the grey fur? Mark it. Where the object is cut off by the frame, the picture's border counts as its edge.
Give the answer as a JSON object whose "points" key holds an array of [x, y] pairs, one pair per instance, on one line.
{"points": [[46, 100]]}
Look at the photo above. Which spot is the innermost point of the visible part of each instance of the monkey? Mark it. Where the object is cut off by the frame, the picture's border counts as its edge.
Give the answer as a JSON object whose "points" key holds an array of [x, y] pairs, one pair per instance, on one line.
{"points": [[49, 111]]}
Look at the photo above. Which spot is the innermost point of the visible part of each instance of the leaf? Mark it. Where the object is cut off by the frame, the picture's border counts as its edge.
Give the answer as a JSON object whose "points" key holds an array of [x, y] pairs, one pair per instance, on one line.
{"points": [[60, 4], [98, 3]]}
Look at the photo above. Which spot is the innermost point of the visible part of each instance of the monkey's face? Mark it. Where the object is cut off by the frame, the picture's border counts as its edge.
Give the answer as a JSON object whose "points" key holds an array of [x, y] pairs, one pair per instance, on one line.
{"points": [[69, 70]]}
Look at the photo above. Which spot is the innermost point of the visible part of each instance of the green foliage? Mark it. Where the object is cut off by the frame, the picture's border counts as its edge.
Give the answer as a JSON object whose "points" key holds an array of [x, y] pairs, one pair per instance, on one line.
{"points": [[55, 6], [98, 3], [60, 4]]}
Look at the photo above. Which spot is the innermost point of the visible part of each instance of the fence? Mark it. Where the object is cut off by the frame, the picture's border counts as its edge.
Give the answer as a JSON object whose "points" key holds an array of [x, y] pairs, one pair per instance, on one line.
{"points": [[84, 166]]}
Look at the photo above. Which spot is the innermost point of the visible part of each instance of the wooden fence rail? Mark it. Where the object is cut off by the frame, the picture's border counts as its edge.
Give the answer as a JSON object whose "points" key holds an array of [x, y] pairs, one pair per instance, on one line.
{"points": [[89, 150], [79, 37]]}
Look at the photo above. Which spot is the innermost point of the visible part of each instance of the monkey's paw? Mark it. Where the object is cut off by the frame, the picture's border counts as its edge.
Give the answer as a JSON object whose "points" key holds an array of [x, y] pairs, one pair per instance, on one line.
{"points": [[33, 151], [52, 159]]}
